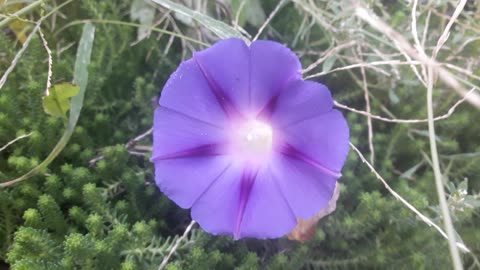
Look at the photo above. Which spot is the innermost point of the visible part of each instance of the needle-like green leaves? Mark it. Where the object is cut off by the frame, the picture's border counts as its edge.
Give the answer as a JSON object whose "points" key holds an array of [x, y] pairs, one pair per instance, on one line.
{"points": [[80, 78]]}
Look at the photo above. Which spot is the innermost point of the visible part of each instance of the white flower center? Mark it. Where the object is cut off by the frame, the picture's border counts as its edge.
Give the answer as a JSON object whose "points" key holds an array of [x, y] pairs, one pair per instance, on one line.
{"points": [[255, 138]]}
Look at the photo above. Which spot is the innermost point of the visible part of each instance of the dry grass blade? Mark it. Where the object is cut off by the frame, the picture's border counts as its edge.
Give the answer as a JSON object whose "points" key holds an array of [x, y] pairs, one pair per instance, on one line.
{"points": [[270, 17], [220, 28], [175, 246], [14, 141], [418, 45], [366, 65], [405, 46], [366, 97], [446, 32], [19, 54], [457, 262], [406, 121], [130, 24], [327, 54], [447, 220]]}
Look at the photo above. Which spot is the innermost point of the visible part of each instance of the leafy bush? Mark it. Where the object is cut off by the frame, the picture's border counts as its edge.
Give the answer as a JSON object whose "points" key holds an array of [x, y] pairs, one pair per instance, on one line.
{"points": [[96, 205]]}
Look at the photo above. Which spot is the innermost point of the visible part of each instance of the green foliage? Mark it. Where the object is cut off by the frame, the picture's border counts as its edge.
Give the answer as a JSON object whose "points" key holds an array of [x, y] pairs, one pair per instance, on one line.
{"points": [[57, 102], [7, 221], [96, 205], [221, 29], [248, 11]]}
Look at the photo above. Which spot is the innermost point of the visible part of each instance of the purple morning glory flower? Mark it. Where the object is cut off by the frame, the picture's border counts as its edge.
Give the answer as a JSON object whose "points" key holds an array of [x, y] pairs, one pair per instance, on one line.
{"points": [[244, 142]]}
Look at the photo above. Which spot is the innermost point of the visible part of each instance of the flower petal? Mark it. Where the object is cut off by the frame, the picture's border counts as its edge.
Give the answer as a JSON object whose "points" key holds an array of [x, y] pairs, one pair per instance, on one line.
{"points": [[267, 213], [216, 209], [306, 188], [321, 141], [226, 65], [244, 202], [181, 142], [298, 101], [194, 131], [187, 91], [183, 180], [272, 66], [175, 134]]}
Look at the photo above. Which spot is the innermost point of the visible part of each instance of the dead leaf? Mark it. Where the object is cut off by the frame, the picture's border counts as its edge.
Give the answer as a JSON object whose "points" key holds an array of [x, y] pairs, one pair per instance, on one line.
{"points": [[305, 228]]}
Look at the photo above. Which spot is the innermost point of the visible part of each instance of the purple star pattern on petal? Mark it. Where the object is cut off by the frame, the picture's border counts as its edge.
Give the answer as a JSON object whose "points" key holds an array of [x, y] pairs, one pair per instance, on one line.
{"points": [[245, 143]]}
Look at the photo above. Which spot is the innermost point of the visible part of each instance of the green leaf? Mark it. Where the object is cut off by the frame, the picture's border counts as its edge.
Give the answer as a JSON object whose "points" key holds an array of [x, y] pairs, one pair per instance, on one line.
{"points": [[471, 201], [80, 72], [144, 13], [80, 78], [394, 99], [221, 29], [463, 185], [255, 14], [328, 63], [242, 16], [57, 101], [252, 12], [410, 172]]}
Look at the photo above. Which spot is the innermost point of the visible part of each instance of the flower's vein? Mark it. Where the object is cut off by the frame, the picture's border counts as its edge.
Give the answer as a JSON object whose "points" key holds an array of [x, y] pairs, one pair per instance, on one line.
{"points": [[223, 100], [290, 151], [211, 149]]}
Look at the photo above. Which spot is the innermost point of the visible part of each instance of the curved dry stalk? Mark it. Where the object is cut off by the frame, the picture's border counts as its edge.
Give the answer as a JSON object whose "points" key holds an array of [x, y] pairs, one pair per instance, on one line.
{"points": [[366, 97], [424, 218], [14, 141], [27, 41], [366, 65], [417, 41], [446, 32], [19, 54], [447, 220], [270, 17], [239, 11], [49, 53], [457, 262], [175, 246], [327, 54], [405, 46], [405, 121]]}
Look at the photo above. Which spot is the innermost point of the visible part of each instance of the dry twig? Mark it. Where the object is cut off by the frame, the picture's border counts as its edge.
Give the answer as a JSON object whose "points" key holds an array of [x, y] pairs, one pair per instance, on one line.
{"points": [[175, 246], [457, 261], [367, 65], [405, 46], [424, 218], [49, 52], [369, 118], [14, 141], [19, 55], [406, 121], [270, 17]]}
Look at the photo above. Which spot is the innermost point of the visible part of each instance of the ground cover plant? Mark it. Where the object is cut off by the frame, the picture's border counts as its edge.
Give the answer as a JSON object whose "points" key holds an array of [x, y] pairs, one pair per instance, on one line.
{"points": [[80, 81]]}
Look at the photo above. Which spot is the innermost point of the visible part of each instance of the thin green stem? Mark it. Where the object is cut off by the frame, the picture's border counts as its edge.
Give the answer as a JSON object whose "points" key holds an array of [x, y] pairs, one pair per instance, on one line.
{"points": [[152, 28], [447, 220], [21, 12]]}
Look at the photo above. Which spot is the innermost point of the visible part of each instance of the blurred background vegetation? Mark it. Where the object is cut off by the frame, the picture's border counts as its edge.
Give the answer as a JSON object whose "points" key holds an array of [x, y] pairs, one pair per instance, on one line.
{"points": [[95, 206]]}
